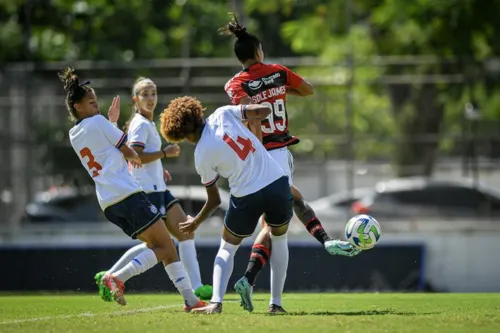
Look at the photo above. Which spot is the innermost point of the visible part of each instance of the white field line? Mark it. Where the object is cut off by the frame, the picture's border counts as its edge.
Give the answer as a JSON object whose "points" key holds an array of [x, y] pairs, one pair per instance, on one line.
{"points": [[91, 314]]}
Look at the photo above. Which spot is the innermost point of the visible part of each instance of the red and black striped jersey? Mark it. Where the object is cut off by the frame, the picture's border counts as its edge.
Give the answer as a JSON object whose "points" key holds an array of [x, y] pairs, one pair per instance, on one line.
{"points": [[266, 84]]}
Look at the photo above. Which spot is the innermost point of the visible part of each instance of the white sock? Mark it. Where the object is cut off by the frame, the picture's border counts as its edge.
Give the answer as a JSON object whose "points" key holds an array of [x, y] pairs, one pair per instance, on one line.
{"points": [[279, 266], [189, 258], [141, 263], [127, 257], [223, 268], [178, 275]]}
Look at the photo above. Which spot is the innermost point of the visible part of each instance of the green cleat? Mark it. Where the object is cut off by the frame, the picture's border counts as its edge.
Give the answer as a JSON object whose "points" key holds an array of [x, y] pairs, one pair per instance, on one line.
{"points": [[104, 291], [245, 290], [341, 248], [204, 292]]}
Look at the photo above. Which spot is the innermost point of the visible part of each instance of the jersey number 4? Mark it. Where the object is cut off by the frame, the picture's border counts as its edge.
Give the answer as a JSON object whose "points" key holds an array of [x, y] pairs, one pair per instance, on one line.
{"points": [[93, 166], [242, 146]]}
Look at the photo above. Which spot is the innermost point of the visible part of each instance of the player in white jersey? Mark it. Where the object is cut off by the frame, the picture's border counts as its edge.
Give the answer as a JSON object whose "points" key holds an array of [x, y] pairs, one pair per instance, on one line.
{"points": [[102, 150], [144, 138], [258, 185]]}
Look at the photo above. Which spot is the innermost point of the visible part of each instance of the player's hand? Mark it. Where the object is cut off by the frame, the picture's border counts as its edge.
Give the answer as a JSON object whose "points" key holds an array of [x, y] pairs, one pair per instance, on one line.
{"points": [[341, 248], [166, 175], [172, 150], [135, 160], [189, 226], [114, 110]]}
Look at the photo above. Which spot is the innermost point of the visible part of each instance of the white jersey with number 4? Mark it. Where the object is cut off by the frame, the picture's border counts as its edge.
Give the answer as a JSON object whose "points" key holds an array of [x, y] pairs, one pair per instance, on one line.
{"points": [[227, 148], [143, 133], [96, 142]]}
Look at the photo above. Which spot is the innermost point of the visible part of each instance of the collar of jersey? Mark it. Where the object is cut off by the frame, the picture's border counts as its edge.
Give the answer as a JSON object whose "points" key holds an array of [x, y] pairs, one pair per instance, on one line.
{"points": [[140, 114], [79, 121], [253, 65]]}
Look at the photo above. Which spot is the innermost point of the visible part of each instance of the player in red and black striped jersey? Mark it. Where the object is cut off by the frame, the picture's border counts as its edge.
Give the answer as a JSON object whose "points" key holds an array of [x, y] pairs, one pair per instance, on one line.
{"points": [[269, 84]]}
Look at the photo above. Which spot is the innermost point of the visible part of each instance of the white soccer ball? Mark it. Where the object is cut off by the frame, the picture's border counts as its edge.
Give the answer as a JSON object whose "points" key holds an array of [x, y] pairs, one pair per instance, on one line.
{"points": [[363, 232]]}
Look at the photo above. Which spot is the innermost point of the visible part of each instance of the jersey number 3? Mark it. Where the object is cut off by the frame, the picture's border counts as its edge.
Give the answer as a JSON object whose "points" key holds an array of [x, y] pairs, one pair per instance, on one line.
{"points": [[93, 166], [242, 146]]}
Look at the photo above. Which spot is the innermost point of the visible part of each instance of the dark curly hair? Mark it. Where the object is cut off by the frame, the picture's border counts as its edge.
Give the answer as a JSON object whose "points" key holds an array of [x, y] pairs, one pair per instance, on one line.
{"points": [[246, 44], [182, 117], [75, 91]]}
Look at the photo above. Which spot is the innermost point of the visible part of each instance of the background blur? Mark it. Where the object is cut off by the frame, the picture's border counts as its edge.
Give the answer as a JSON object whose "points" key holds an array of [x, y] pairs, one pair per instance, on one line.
{"points": [[404, 125]]}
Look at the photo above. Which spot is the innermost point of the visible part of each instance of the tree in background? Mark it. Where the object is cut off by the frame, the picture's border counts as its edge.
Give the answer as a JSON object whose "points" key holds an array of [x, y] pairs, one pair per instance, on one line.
{"points": [[461, 34]]}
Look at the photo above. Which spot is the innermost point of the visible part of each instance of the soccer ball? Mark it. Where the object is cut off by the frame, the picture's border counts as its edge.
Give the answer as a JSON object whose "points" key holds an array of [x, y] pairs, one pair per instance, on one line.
{"points": [[363, 232]]}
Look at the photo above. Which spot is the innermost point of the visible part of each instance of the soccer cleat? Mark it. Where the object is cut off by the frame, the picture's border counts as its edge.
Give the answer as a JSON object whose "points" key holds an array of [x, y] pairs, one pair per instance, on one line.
{"points": [[341, 248], [104, 291], [273, 309], [245, 290], [204, 292], [187, 308], [209, 309], [116, 287]]}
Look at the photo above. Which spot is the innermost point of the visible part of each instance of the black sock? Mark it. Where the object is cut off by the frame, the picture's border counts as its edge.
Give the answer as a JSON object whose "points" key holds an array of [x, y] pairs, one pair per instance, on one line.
{"points": [[315, 228], [258, 258]]}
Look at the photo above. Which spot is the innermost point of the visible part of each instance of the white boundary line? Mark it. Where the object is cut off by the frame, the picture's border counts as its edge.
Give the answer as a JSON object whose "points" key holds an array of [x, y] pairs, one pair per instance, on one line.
{"points": [[90, 314]]}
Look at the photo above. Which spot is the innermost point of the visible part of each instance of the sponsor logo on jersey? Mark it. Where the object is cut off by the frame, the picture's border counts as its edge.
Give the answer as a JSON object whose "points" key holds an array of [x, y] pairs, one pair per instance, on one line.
{"points": [[255, 84]]}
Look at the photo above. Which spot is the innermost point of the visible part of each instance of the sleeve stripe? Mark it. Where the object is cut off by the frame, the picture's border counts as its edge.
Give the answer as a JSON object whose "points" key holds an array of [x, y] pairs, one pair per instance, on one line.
{"points": [[243, 111], [122, 140], [213, 181], [138, 144]]}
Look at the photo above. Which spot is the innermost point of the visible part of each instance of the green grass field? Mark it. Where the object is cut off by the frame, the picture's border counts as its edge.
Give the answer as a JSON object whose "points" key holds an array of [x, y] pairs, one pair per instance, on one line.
{"points": [[307, 313]]}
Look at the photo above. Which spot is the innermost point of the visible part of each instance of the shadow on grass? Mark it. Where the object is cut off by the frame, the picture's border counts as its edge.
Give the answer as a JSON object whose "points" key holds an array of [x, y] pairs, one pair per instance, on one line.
{"points": [[358, 313]]}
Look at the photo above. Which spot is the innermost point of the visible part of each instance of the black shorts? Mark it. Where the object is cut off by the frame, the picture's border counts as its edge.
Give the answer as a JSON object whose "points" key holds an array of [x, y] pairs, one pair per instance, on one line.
{"points": [[275, 201], [163, 200], [133, 214]]}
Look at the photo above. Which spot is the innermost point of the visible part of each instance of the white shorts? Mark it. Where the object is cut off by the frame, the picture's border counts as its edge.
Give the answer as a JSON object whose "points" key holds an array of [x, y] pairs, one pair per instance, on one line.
{"points": [[285, 160]]}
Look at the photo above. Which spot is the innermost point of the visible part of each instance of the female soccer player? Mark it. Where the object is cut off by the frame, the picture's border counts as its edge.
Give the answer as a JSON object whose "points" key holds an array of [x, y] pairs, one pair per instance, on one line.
{"points": [[145, 140], [268, 84], [101, 148], [225, 147]]}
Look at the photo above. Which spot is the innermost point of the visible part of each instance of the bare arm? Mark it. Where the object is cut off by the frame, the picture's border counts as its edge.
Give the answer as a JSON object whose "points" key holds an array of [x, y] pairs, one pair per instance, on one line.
{"points": [[257, 111], [213, 201], [254, 125], [148, 157], [305, 89], [169, 151], [131, 156]]}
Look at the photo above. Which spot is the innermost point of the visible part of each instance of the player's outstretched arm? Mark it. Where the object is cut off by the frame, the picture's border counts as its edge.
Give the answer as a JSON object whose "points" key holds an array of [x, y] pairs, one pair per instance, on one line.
{"points": [[169, 151], [256, 111], [254, 125], [131, 156], [304, 89], [213, 201]]}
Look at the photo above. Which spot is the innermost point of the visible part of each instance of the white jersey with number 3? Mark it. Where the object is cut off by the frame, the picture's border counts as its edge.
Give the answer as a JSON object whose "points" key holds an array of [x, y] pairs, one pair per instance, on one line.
{"points": [[96, 142], [227, 148]]}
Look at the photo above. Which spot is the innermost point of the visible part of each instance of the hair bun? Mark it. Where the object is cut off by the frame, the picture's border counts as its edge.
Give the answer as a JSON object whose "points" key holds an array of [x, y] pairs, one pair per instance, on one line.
{"points": [[237, 30]]}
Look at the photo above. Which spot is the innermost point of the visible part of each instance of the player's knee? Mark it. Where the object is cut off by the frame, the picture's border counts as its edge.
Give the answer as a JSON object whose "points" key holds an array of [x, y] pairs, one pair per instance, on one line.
{"points": [[279, 231]]}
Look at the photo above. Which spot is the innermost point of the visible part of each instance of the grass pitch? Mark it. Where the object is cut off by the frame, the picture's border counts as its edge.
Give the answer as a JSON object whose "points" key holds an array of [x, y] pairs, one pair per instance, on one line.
{"points": [[307, 313]]}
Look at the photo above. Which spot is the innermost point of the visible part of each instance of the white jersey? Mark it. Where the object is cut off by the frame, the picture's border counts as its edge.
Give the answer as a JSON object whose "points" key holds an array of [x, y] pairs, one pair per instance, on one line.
{"points": [[227, 148], [96, 142], [143, 133]]}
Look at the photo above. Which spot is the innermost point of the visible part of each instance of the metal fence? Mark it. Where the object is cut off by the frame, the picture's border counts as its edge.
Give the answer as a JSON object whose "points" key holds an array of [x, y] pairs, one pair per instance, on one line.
{"points": [[35, 152]]}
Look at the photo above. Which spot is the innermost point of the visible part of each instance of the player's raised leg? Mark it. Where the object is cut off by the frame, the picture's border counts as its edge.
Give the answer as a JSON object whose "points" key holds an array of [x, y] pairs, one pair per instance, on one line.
{"points": [[140, 219], [131, 253]]}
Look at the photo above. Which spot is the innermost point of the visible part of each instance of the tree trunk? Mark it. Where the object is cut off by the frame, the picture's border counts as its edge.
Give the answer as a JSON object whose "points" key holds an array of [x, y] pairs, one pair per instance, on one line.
{"points": [[419, 116]]}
